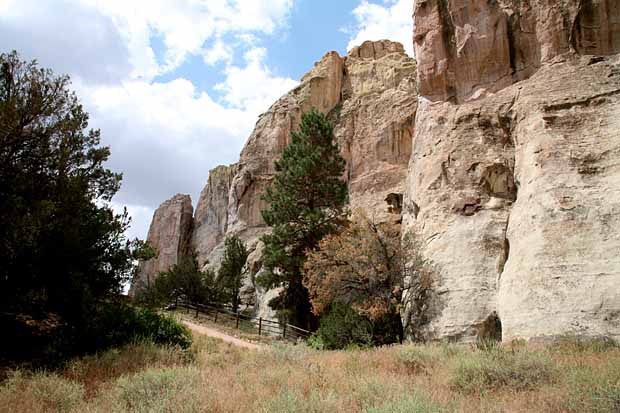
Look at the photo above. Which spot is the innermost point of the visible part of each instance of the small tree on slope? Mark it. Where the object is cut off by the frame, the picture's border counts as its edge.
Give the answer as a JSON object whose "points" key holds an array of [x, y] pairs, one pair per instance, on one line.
{"points": [[230, 275], [307, 199]]}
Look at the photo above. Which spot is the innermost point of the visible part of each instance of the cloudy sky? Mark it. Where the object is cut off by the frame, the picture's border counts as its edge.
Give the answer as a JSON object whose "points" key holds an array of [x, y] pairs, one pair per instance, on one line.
{"points": [[176, 86]]}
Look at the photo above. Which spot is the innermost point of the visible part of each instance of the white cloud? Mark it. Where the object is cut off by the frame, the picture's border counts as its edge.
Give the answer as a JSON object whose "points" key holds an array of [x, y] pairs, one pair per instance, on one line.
{"points": [[391, 20], [185, 25], [219, 52], [253, 87], [164, 136]]}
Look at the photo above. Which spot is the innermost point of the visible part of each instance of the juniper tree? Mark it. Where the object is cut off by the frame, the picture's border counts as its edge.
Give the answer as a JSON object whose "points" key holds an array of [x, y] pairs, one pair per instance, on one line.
{"points": [[307, 198], [230, 275]]}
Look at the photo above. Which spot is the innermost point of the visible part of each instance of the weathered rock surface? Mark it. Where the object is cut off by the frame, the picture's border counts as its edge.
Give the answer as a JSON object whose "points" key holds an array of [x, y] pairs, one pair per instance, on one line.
{"points": [[513, 178], [507, 152], [170, 235], [468, 48], [370, 95], [375, 78], [211, 217]]}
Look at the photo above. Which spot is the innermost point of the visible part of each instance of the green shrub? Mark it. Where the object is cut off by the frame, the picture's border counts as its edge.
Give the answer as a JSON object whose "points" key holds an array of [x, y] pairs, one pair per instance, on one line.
{"points": [[316, 342], [118, 324], [342, 326], [418, 359], [519, 370]]}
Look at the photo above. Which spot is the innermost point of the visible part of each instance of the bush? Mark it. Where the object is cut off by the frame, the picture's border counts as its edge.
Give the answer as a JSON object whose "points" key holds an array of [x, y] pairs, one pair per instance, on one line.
{"points": [[487, 370], [117, 324], [419, 359], [342, 326]]}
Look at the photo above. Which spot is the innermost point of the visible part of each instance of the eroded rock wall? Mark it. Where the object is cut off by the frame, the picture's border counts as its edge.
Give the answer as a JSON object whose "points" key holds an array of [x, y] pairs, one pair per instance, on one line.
{"points": [[170, 235], [469, 48], [211, 217], [370, 95], [512, 183]]}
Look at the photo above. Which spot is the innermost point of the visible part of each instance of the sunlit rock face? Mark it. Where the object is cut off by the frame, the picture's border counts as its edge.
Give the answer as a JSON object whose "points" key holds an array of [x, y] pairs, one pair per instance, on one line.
{"points": [[513, 178], [370, 96], [500, 147], [170, 235]]}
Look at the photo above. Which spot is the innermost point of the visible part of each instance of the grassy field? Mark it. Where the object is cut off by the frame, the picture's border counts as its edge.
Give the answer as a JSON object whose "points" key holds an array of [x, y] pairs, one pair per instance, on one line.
{"points": [[215, 377]]}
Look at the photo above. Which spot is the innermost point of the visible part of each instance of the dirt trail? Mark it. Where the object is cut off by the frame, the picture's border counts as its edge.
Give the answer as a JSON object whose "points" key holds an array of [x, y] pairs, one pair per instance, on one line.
{"points": [[224, 337]]}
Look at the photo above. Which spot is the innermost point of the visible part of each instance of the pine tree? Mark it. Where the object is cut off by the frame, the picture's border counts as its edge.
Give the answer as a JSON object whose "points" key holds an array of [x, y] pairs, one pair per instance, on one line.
{"points": [[230, 275], [307, 199]]}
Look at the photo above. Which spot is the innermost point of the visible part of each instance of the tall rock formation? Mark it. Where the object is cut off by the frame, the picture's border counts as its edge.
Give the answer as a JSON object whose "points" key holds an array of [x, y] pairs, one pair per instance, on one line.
{"points": [[170, 235], [504, 144], [370, 95], [513, 179], [211, 217]]}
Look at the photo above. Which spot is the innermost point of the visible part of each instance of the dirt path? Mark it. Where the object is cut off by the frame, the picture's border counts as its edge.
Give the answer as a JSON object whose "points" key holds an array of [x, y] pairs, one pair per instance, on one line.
{"points": [[224, 337]]}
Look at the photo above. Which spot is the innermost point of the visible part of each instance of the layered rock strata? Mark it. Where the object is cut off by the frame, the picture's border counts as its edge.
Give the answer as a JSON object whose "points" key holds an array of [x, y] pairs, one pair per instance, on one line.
{"points": [[512, 183]]}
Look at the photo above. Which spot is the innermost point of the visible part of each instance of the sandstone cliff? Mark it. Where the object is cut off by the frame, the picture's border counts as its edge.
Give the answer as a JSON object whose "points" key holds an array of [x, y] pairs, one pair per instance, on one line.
{"points": [[170, 235], [513, 179], [505, 143], [371, 97]]}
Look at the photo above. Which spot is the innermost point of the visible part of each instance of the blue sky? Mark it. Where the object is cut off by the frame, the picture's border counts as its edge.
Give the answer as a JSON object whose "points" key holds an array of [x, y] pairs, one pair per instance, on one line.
{"points": [[176, 85]]}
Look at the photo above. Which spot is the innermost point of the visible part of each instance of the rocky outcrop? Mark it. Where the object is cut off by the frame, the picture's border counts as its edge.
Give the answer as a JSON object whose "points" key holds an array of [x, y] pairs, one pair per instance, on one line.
{"points": [[466, 49], [170, 235], [375, 78], [211, 217], [512, 183], [370, 95], [501, 152]]}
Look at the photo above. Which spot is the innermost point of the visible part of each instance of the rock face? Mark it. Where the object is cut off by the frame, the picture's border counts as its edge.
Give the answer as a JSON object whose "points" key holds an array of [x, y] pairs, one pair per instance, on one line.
{"points": [[370, 95], [375, 78], [501, 152], [512, 183], [468, 48], [211, 217], [170, 235]]}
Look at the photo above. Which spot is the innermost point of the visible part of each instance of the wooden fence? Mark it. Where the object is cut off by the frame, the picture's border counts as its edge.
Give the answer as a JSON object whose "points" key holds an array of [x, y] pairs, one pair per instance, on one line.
{"points": [[243, 322]]}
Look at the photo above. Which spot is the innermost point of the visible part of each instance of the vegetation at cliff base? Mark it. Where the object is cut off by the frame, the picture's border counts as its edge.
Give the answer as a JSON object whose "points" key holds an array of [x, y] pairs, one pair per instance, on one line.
{"points": [[307, 201], [230, 275], [184, 281]]}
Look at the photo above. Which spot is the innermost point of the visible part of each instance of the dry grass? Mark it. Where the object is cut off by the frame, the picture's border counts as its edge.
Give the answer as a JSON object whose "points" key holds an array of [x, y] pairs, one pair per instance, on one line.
{"points": [[216, 377]]}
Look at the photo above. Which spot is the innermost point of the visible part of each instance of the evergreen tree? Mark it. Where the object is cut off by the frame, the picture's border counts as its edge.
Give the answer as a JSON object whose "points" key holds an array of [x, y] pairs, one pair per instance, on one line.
{"points": [[230, 276], [184, 281], [62, 248], [307, 199]]}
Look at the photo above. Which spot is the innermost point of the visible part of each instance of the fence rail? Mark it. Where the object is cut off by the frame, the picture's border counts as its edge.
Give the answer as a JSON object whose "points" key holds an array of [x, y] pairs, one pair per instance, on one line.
{"points": [[264, 327]]}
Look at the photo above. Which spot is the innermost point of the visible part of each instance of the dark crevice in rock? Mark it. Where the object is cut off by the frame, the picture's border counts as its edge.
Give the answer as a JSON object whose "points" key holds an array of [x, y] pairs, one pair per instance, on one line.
{"points": [[497, 181], [490, 329], [395, 203]]}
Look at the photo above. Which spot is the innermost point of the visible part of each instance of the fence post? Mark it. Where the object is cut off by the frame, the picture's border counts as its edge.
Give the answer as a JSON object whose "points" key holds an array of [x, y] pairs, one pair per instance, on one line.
{"points": [[237, 319], [215, 315], [284, 331], [260, 325]]}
